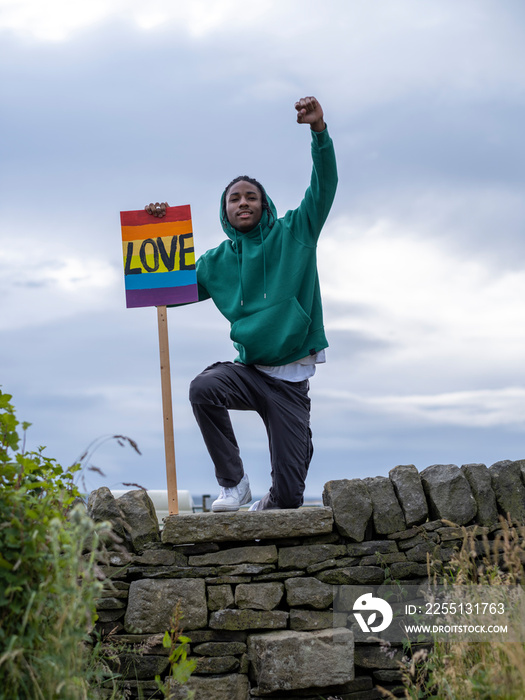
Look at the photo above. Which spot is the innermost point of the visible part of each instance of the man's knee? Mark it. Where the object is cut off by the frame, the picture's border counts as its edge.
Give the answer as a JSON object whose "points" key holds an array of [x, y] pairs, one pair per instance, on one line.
{"points": [[201, 388]]}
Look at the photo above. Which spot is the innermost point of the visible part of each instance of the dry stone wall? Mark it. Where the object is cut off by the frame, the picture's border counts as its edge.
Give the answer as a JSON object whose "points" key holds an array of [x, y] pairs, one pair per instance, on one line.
{"points": [[257, 589]]}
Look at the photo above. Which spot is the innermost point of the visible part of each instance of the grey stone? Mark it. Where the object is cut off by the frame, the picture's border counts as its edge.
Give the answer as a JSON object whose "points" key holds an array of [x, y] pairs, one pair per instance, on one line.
{"points": [[480, 482], [115, 589], [208, 635], [316, 619], [420, 552], [388, 675], [304, 556], [246, 525], [423, 537], [259, 596], [407, 569], [447, 534], [237, 555], [110, 604], [248, 619], [353, 575], [388, 516], [379, 559], [245, 569], [374, 657], [409, 490], [102, 506], [152, 602], [220, 648], [220, 597], [109, 615], [120, 559], [137, 666], [521, 463], [160, 557], [277, 576], [234, 686], [448, 493], [289, 660], [222, 580], [310, 592], [352, 506], [509, 489], [216, 664], [139, 513], [360, 549]]}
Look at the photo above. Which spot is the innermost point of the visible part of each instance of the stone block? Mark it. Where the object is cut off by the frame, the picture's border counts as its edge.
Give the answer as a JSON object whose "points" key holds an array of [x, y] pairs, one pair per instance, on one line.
{"points": [[234, 686], [309, 592], [353, 575], [316, 619], [137, 666], [259, 596], [220, 597], [237, 555], [351, 505], [160, 557], [216, 664], [102, 506], [244, 525], [409, 491], [151, 604], [448, 493], [248, 619], [375, 657], [220, 648], [307, 555], [139, 513], [509, 489], [387, 515], [480, 482], [290, 660], [361, 549], [420, 552]]}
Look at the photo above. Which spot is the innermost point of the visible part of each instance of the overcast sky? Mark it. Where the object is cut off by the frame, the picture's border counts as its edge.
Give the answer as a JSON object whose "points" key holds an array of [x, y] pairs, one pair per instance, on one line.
{"points": [[110, 104]]}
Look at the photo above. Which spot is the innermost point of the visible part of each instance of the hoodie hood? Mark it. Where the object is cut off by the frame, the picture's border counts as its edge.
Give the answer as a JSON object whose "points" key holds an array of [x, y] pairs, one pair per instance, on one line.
{"points": [[261, 230], [256, 236]]}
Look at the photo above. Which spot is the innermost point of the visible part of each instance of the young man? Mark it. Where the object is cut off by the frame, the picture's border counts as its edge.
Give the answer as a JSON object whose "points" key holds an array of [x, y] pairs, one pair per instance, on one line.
{"points": [[264, 280]]}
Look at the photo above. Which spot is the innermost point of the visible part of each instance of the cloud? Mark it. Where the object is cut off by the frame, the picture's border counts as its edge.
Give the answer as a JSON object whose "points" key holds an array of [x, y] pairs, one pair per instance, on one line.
{"points": [[50, 286], [470, 409], [423, 299]]}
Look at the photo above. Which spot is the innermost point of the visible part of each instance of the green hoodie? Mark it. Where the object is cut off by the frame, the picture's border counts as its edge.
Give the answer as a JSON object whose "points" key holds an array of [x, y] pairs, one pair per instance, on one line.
{"points": [[265, 281]]}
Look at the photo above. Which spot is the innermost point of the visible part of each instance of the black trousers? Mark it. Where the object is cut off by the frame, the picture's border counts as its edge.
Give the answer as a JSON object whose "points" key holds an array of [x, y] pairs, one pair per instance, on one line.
{"points": [[285, 410]]}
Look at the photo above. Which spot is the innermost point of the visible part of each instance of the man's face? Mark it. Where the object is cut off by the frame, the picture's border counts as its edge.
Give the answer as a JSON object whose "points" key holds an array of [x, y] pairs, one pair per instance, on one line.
{"points": [[244, 206]]}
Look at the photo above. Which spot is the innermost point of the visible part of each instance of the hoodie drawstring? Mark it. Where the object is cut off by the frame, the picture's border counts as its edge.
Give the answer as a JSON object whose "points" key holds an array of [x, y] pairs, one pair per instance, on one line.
{"points": [[239, 264], [239, 267], [264, 261]]}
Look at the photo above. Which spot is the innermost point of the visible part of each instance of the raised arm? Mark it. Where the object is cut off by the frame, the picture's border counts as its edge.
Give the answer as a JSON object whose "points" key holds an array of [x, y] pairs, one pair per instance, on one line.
{"points": [[308, 219]]}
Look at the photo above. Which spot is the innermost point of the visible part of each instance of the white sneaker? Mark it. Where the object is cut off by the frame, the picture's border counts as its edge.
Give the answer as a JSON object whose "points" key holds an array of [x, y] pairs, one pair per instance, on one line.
{"points": [[254, 506], [232, 498]]}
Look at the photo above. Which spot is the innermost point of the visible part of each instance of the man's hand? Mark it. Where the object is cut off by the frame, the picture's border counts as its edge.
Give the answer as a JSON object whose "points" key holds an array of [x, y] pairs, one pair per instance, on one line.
{"points": [[309, 111], [158, 210]]}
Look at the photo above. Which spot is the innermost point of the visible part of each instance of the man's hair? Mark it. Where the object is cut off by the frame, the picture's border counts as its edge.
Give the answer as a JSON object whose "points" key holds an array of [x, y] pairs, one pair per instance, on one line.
{"points": [[264, 199]]}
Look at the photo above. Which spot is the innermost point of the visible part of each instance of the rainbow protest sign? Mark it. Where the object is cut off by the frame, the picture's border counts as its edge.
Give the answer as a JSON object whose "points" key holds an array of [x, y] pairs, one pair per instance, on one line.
{"points": [[159, 258]]}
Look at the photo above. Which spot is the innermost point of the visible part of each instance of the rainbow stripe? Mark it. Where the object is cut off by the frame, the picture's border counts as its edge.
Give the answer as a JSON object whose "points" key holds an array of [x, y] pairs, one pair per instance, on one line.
{"points": [[159, 258]]}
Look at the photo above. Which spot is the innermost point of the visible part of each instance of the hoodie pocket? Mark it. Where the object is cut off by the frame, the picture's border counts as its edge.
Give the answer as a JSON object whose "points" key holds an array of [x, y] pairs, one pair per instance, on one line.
{"points": [[269, 336]]}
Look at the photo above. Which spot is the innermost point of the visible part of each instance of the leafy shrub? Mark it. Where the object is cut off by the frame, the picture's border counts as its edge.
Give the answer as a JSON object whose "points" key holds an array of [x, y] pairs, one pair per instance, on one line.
{"points": [[48, 585]]}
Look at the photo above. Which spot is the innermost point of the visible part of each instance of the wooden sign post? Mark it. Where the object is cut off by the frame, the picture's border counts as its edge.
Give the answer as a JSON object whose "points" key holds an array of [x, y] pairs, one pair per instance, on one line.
{"points": [[159, 270]]}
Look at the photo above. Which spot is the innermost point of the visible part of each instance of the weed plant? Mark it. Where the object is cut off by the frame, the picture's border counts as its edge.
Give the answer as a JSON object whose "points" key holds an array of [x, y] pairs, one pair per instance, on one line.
{"points": [[48, 582], [489, 670]]}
